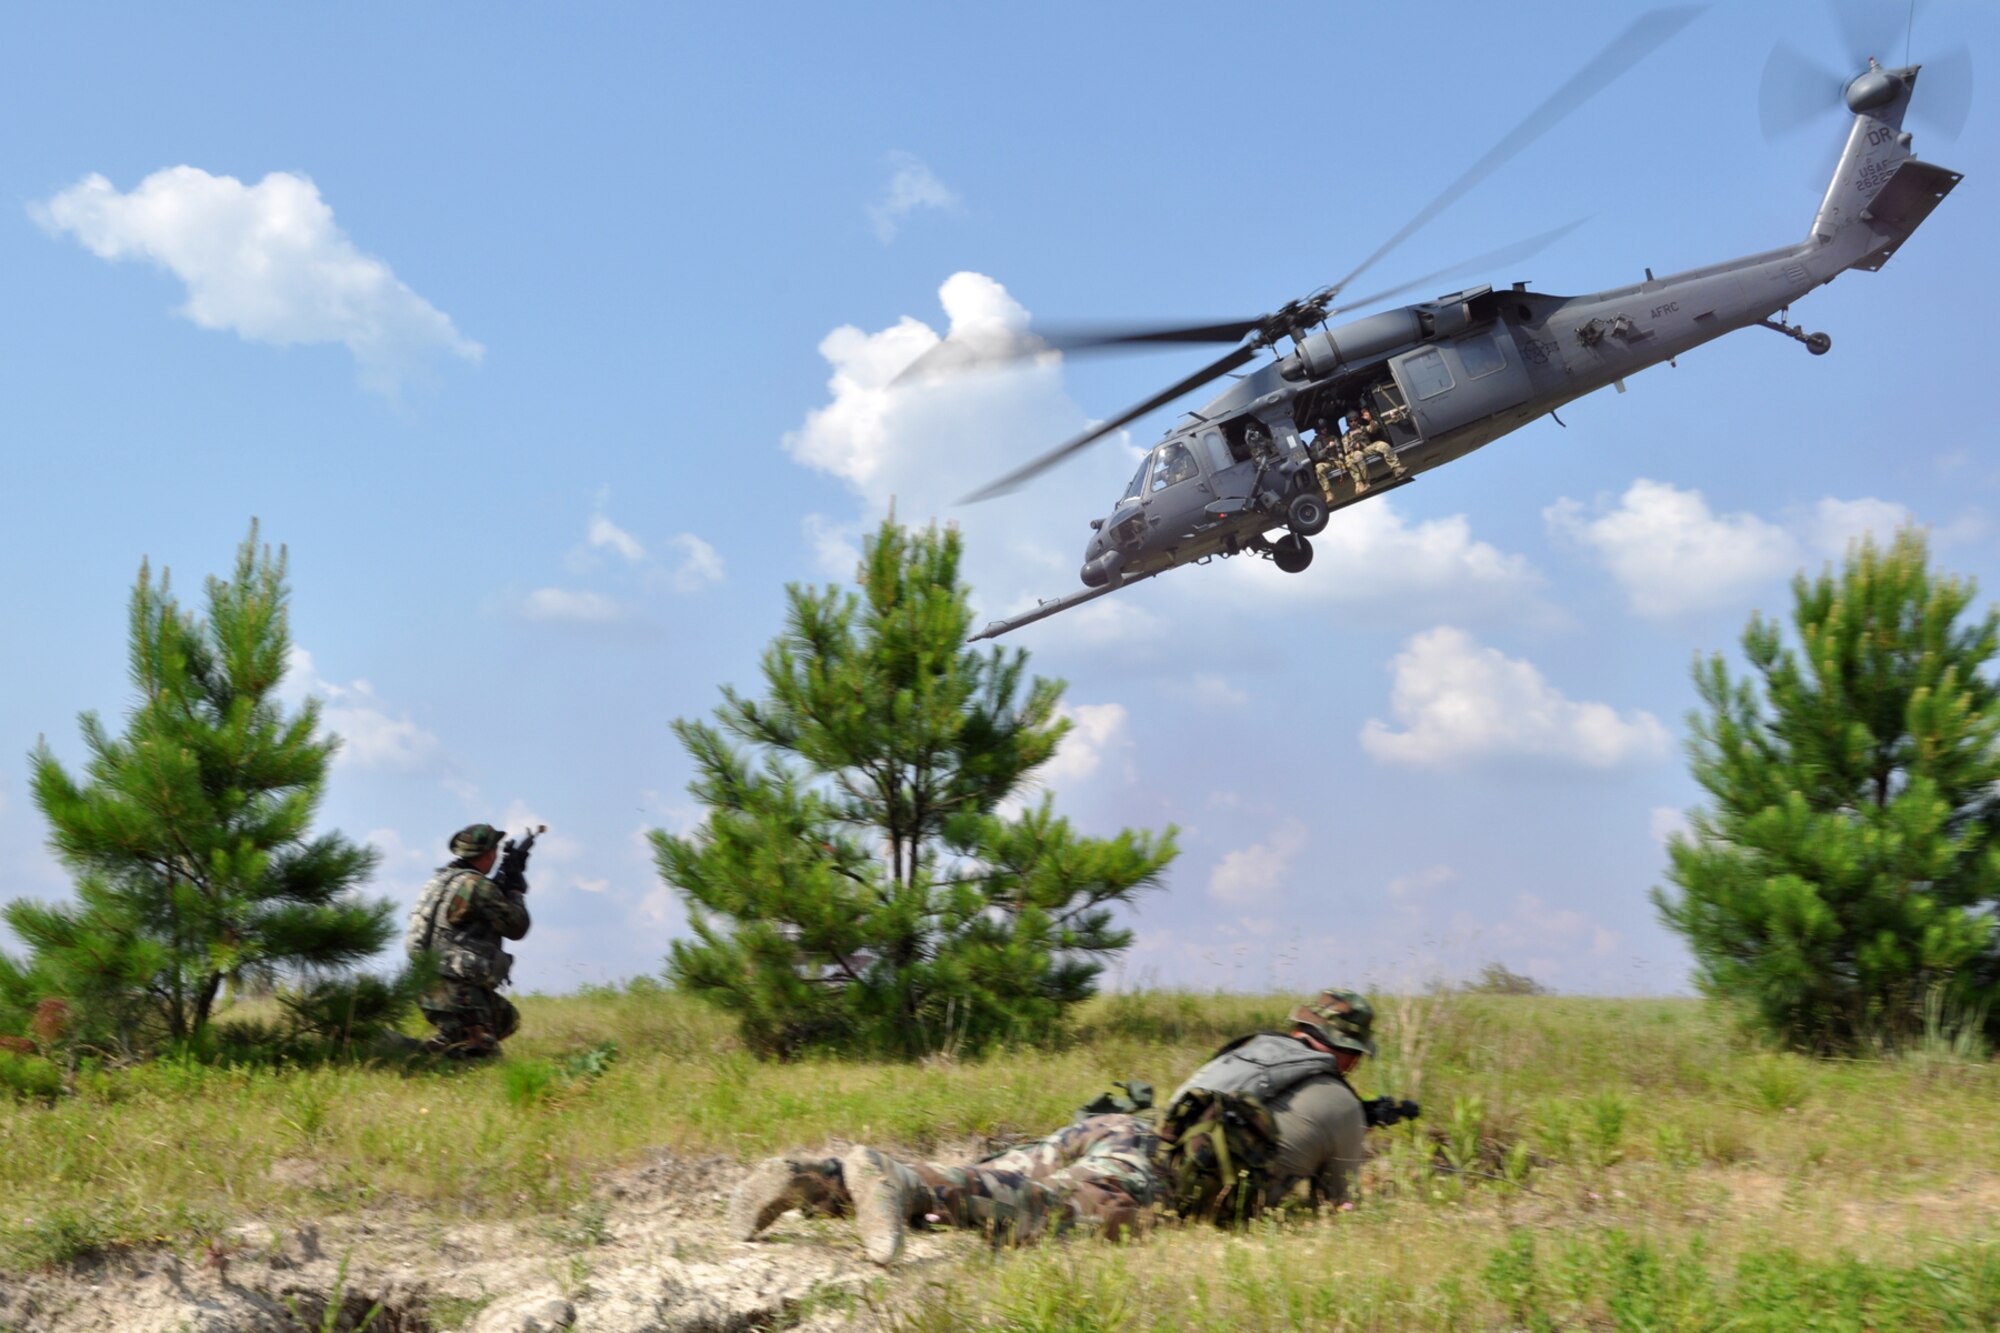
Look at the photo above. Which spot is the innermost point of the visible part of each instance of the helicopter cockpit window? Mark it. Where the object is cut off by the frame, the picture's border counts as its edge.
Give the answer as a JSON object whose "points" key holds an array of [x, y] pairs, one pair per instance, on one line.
{"points": [[1427, 374], [1173, 465], [1138, 485]]}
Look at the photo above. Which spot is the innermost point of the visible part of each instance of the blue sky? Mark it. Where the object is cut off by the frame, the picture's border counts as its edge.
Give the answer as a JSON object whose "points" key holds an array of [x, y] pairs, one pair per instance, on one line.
{"points": [[554, 344]]}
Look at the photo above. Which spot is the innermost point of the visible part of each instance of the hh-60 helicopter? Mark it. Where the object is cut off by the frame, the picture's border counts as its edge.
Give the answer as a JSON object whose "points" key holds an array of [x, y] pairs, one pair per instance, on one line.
{"points": [[1436, 380]]}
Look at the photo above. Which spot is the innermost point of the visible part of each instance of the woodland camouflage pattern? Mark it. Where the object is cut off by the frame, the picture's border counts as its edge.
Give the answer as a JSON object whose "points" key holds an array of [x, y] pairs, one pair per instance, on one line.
{"points": [[1215, 1155], [475, 839], [1344, 1018], [460, 919], [1096, 1174]]}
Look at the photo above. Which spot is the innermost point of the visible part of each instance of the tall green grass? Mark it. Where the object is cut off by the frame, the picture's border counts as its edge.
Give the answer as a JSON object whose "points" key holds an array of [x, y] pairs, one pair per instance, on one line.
{"points": [[1599, 1159]]}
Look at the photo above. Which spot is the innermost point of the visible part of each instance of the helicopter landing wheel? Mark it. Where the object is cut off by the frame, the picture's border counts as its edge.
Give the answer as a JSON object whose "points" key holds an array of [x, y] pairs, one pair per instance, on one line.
{"points": [[1818, 344], [1291, 553], [1307, 514]]}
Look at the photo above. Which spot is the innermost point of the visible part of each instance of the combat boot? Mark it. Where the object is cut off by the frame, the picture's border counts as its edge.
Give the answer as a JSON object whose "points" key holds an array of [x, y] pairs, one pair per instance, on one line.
{"points": [[882, 1189], [782, 1183]]}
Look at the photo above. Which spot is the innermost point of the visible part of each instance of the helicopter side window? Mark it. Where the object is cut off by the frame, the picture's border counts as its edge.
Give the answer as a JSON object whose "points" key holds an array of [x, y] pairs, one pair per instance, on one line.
{"points": [[1427, 374], [1218, 450], [1480, 356], [1173, 466]]}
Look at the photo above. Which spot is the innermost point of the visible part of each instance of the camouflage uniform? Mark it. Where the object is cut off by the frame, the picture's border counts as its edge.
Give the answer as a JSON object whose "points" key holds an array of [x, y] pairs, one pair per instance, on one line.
{"points": [[1102, 1174], [1095, 1174], [461, 918], [1358, 444], [1327, 456]]}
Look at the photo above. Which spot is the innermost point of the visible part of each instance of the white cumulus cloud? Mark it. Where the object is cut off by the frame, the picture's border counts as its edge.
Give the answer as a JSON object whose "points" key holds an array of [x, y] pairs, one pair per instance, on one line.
{"points": [[912, 186], [882, 436], [1674, 555], [1460, 703], [919, 444], [264, 261], [1834, 523], [371, 736], [1373, 558], [1254, 874]]}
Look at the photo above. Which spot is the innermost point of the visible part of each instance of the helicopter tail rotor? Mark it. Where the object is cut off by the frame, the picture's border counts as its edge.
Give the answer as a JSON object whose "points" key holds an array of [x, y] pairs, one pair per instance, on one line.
{"points": [[1946, 102], [1798, 90]]}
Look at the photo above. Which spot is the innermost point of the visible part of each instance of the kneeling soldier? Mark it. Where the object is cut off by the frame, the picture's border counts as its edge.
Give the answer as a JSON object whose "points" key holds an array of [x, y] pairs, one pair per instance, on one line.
{"points": [[460, 918]]}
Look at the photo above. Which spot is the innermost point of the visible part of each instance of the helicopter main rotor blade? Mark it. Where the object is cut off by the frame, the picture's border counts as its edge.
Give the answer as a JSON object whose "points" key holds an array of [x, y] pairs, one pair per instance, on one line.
{"points": [[1641, 39], [1212, 371], [1506, 254], [1080, 338], [1085, 337]]}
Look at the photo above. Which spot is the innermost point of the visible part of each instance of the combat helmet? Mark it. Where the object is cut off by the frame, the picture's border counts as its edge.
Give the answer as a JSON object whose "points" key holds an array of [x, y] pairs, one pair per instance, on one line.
{"points": [[1340, 1018]]}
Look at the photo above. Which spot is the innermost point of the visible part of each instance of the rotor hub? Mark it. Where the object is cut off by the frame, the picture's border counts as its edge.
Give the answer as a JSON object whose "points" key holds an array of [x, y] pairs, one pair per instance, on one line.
{"points": [[1872, 90]]}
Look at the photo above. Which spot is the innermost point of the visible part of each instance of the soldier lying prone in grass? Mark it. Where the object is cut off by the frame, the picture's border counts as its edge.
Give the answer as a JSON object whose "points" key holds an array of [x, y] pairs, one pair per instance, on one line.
{"points": [[1266, 1112]]}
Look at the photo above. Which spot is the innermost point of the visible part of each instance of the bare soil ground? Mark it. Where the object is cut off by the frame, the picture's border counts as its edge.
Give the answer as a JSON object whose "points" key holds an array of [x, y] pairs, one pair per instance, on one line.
{"points": [[649, 1256]]}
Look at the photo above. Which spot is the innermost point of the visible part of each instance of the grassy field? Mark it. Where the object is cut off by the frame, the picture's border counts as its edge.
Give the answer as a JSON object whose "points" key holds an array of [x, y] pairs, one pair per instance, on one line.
{"points": [[1581, 1163]]}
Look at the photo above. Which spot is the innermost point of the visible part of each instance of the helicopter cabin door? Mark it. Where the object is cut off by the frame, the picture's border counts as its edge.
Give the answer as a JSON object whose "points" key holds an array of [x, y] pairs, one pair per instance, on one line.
{"points": [[1448, 384], [1175, 489]]}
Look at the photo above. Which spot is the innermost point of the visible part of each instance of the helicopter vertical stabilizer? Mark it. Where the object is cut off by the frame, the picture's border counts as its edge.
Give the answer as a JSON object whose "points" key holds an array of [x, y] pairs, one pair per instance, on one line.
{"points": [[1879, 193]]}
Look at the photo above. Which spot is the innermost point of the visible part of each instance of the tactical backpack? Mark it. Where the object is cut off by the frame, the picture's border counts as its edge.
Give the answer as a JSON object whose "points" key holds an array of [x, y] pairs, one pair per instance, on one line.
{"points": [[1219, 1138], [1215, 1155], [417, 935]]}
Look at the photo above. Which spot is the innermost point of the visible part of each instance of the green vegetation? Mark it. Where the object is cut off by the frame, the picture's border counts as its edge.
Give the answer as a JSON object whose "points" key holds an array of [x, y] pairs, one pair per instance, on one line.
{"points": [[855, 884], [1843, 880], [1581, 1162], [190, 834]]}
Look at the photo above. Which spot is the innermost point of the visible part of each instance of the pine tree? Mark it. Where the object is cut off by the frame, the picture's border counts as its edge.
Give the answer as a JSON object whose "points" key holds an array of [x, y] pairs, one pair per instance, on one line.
{"points": [[190, 834], [855, 883], [1843, 877]]}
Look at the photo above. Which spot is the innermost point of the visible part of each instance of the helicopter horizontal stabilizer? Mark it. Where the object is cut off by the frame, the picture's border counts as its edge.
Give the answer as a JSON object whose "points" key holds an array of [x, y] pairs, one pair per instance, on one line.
{"points": [[1902, 205], [995, 628]]}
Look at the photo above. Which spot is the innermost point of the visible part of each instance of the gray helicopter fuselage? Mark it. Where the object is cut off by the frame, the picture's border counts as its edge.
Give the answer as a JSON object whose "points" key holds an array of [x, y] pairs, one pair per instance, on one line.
{"points": [[1479, 364], [1445, 377]]}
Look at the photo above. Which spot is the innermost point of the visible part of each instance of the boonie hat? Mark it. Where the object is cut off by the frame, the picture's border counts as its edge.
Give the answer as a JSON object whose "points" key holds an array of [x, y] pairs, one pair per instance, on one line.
{"points": [[475, 839], [1342, 1018]]}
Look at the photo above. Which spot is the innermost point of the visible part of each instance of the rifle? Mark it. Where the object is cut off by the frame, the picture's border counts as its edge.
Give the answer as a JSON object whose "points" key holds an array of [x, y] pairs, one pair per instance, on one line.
{"points": [[512, 872], [1381, 1112]]}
